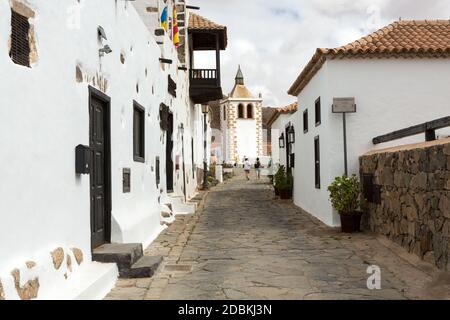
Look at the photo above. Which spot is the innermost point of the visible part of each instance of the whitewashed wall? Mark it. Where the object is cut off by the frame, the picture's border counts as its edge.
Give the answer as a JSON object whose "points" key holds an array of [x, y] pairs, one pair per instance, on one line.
{"points": [[279, 127], [246, 138], [44, 116], [390, 95]]}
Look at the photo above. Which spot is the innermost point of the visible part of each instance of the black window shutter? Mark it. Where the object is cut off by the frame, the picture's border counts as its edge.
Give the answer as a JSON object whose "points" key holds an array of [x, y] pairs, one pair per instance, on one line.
{"points": [[20, 43]]}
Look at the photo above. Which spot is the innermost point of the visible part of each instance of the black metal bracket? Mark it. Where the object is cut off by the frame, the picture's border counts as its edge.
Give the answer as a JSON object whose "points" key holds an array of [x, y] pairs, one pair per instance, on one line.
{"points": [[163, 60]]}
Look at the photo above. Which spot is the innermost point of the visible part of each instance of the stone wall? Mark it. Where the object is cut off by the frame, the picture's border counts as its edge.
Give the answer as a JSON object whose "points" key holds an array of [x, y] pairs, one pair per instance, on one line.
{"points": [[413, 210]]}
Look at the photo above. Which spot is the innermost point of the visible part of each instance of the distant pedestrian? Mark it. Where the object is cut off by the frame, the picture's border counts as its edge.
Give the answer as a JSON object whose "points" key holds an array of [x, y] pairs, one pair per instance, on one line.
{"points": [[247, 168], [258, 167]]}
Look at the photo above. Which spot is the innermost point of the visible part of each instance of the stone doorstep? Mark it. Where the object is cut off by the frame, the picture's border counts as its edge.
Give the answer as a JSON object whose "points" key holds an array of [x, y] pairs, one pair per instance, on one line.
{"points": [[123, 254], [129, 258], [143, 268]]}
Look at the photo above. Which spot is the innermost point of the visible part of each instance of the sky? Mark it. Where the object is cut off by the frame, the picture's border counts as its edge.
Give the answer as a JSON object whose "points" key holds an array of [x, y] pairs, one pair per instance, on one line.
{"points": [[273, 40]]}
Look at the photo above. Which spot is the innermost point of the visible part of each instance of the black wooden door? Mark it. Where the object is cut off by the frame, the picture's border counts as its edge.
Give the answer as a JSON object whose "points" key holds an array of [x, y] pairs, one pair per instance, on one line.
{"points": [[99, 178], [169, 149], [288, 150]]}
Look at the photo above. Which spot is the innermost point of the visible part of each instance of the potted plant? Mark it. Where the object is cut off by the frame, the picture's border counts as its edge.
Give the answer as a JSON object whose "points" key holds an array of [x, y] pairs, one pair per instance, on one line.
{"points": [[345, 197], [278, 179], [284, 184]]}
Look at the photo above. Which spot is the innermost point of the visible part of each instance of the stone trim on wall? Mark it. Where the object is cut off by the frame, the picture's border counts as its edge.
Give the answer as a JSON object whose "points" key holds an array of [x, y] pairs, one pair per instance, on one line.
{"points": [[415, 199]]}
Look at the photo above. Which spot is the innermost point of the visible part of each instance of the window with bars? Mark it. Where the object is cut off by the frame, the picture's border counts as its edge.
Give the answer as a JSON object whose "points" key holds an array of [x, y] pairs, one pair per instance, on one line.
{"points": [[20, 42], [139, 133]]}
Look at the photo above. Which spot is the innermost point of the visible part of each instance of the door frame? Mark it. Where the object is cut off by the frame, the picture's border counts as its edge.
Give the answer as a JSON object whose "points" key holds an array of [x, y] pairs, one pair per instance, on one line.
{"points": [[97, 94]]}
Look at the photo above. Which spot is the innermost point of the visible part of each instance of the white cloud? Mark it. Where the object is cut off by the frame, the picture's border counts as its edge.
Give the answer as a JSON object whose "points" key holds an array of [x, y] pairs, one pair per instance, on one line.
{"points": [[273, 40]]}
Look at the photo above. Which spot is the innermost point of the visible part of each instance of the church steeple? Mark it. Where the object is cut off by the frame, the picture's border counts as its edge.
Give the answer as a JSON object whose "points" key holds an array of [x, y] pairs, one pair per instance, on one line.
{"points": [[239, 77]]}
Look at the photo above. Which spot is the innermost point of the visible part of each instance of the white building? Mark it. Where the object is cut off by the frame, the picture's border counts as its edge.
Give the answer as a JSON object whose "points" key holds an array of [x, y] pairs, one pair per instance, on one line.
{"points": [[279, 125], [399, 77], [114, 83], [241, 123]]}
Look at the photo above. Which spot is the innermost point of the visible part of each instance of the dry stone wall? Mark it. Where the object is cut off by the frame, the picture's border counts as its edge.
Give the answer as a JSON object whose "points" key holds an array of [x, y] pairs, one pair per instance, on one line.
{"points": [[415, 196]]}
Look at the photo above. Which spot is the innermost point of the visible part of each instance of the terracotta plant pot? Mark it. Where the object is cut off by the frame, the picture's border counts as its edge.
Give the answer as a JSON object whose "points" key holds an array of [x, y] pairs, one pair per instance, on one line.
{"points": [[285, 194], [351, 222]]}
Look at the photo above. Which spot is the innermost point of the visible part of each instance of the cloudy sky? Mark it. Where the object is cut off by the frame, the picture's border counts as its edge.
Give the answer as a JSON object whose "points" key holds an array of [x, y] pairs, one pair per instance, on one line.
{"points": [[273, 39]]}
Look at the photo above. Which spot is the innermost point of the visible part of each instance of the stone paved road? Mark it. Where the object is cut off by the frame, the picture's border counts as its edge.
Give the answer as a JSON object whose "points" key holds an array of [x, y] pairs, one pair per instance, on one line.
{"points": [[244, 244]]}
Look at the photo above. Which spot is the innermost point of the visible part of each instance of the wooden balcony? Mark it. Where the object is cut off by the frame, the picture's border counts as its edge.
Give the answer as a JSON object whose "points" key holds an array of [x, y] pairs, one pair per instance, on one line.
{"points": [[205, 85]]}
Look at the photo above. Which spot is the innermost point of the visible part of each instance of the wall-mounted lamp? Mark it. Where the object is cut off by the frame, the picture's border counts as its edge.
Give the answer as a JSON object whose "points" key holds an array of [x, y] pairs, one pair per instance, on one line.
{"points": [[281, 141], [291, 134], [181, 128], [105, 50], [205, 108]]}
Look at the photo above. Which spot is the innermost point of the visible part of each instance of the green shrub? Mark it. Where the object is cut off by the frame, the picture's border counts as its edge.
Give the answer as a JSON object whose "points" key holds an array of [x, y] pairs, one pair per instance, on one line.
{"points": [[345, 194], [282, 180]]}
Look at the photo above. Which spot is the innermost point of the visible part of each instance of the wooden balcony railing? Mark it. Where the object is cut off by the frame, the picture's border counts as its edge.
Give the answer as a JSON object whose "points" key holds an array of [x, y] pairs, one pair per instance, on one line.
{"points": [[204, 74], [205, 85]]}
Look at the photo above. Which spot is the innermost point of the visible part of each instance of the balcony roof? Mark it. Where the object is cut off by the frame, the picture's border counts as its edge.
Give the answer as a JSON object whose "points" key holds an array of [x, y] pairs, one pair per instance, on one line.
{"points": [[203, 28]]}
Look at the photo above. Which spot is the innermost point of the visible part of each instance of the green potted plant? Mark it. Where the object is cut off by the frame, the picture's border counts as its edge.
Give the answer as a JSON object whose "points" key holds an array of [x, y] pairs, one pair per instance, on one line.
{"points": [[278, 179], [345, 196], [287, 186], [284, 184]]}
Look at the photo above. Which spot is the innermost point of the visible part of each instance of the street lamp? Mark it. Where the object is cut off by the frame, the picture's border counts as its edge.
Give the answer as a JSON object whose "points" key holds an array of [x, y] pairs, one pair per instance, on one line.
{"points": [[281, 139], [181, 129], [291, 135], [205, 111]]}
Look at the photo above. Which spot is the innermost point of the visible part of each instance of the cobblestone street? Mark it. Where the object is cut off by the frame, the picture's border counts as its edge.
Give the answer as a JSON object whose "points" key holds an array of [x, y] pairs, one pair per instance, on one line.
{"points": [[244, 244]]}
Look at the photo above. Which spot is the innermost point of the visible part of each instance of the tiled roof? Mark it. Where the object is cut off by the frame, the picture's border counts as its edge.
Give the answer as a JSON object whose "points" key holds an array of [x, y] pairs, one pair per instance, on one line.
{"points": [[408, 38], [241, 91], [289, 109], [267, 114], [197, 22]]}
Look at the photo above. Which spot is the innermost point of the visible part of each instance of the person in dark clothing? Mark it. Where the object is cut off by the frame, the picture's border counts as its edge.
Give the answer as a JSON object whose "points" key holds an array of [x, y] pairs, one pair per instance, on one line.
{"points": [[258, 167]]}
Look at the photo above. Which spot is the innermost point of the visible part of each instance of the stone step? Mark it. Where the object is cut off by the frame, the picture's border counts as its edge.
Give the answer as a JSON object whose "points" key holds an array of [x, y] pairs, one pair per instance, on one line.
{"points": [[143, 268], [125, 255], [181, 207]]}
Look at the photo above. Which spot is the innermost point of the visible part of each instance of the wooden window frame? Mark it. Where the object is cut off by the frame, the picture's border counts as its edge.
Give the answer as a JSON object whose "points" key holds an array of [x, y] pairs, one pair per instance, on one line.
{"points": [[158, 171], [305, 121], [139, 155], [20, 39], [317, 162], [318, 111], [126, 180]]}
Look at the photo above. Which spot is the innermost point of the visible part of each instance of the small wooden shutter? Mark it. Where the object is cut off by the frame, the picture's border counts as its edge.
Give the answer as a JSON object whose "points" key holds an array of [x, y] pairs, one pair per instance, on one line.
{"points": [[158, 172], [20, 43], [126, 181]]}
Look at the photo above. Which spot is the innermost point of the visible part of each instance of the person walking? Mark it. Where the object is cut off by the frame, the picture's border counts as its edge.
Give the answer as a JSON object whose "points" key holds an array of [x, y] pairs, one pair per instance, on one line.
{"points": [[247, 168], [258, 167]]}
